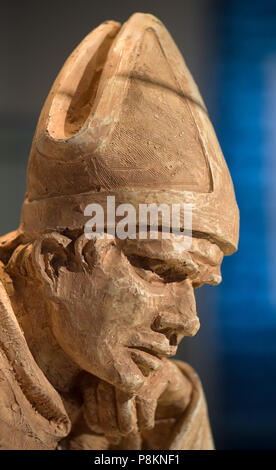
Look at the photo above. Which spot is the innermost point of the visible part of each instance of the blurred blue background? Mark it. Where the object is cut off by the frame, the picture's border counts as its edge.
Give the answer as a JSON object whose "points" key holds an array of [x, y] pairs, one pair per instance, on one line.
{"points": [[245, 123], [230, 47]]}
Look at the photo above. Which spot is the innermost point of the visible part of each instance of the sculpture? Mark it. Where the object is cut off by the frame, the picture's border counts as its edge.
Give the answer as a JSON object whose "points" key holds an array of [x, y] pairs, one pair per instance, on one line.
{"points": [[87, 325]]}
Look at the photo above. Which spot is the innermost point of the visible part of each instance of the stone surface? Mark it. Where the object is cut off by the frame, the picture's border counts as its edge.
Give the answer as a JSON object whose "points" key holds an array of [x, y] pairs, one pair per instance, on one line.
{"points": [[88, 326]]}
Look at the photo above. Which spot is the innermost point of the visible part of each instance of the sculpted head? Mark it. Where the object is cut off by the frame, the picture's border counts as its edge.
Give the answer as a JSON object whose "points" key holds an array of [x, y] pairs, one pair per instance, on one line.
{"points": [[124, 118], [118, 307]]}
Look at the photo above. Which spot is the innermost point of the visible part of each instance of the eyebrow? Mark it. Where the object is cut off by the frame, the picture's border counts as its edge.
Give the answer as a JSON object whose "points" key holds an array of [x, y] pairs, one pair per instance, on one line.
{"points": [[212, 257]]}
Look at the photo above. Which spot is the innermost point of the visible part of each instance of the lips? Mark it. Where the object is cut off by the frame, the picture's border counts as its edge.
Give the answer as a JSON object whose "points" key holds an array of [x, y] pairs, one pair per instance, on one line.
{"points": [[155, 343], [147, 350], [147, 361]]}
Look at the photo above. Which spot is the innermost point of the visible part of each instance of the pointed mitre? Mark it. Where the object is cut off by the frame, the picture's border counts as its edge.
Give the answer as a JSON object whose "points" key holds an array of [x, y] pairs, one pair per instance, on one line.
{"points": [[125, 118]]}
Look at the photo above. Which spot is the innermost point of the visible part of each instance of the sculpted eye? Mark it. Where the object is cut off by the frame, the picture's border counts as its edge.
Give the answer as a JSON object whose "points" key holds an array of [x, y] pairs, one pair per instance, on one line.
{"points": [[143, 267], [149, 275], [155, 270]]}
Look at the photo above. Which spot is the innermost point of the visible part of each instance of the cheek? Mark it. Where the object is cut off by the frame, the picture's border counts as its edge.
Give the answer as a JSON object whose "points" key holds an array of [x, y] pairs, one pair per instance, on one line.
{"points": [[81, 296], [129, 302], [96, 303]]}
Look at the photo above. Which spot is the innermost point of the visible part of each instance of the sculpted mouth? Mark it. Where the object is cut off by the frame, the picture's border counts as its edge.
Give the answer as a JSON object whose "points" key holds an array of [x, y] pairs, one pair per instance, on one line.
{"points": [[158, 350], [146, 359], [148, 356], [148, 348]]}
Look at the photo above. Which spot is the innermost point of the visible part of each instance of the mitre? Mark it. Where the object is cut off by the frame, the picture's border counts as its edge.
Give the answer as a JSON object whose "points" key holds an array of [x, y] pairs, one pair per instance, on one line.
{"points": [[125, 118]]}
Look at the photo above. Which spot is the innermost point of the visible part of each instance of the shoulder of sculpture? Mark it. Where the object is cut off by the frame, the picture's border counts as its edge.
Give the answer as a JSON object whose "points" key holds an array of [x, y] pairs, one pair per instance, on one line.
{"points": [[32, 413], [21, 427]]}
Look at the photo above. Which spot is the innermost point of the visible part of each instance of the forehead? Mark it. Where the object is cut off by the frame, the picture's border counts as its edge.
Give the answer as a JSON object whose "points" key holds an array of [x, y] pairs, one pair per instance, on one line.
{"points": [[200, 250]]}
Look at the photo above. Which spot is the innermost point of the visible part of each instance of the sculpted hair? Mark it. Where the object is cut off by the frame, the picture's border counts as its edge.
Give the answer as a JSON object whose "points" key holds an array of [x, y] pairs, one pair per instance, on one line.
{"points": [[16, 254]]}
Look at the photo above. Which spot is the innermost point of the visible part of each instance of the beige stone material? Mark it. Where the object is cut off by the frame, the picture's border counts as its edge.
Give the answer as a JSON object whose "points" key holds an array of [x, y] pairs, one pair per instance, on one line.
{"points": [[88, 326]]}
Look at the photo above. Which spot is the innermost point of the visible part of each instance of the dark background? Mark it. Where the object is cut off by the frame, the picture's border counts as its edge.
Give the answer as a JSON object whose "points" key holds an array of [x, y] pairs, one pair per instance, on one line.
{"points": [[230, 48]]}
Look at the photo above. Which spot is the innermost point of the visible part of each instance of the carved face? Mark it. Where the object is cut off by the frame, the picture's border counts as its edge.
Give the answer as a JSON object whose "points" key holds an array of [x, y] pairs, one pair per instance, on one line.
{"points": [[129, 304]]}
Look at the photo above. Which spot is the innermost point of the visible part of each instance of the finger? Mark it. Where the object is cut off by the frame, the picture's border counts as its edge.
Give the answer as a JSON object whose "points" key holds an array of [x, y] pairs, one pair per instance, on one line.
{"points": [[126, 410], [107, 411], [89, 390], [146, 409]]}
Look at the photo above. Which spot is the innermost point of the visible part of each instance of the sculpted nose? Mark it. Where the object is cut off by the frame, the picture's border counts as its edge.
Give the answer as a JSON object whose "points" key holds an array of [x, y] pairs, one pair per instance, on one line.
{"points": [[181, 317], [176, 324], [184, 299]]}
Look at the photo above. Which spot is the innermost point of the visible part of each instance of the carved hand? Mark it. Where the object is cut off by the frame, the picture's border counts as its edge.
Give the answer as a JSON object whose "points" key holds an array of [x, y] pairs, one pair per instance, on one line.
{"points": [[111, 411]]}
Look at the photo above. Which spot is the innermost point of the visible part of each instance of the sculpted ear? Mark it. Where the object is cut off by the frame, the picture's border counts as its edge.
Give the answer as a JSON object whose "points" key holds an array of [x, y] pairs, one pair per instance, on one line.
{"points": [[49, 254]]}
